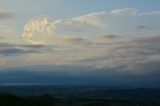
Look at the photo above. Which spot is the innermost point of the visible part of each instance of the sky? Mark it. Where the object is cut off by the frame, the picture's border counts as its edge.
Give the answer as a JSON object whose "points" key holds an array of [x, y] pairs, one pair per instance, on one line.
{"points": [[80, 42]]}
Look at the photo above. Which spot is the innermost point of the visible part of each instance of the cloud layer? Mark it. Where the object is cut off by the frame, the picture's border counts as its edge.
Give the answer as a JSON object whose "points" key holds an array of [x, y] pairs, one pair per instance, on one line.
{"points": [[130, 55], [137, 55]]}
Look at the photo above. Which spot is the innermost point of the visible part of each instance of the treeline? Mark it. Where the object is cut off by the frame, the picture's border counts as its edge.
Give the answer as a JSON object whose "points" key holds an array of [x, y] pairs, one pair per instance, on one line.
{"points": [[48, 100]]}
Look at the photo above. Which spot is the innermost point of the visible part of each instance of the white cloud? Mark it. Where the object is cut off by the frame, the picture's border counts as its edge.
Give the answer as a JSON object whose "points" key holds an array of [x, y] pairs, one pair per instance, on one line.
{"points": [[123, 11], [132, 11], [38, 30], [91, 19]]}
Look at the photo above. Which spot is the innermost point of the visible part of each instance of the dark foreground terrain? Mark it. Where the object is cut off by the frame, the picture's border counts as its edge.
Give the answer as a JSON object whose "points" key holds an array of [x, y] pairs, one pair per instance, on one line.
{"points": [[77, 96], [47, 100]]}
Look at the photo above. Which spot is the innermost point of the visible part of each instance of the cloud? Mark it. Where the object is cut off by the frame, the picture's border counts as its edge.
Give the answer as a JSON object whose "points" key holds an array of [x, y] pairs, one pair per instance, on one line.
{"points": [[38, 30], [91, 19], [106, 37], [142, 27], [131, 55], [5, 15], [7, 49], [123, 11], [150, 13], [14, 51], [74, 41], [134, 55], [126, 54], [124, 21], [41, 30], [132, 11]]}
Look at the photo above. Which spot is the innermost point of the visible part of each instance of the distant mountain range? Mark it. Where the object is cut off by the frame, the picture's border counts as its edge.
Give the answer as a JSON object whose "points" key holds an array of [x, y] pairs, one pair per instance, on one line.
{"points": [[75, 75]]}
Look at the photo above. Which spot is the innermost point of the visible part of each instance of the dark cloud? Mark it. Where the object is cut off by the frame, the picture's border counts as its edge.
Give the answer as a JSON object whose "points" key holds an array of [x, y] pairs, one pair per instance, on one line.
{"points": [[35, 46], [15, 51], [143, 27], [7, 49], [5, 16], [3, 45], [106, 36], [75, 41]]}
